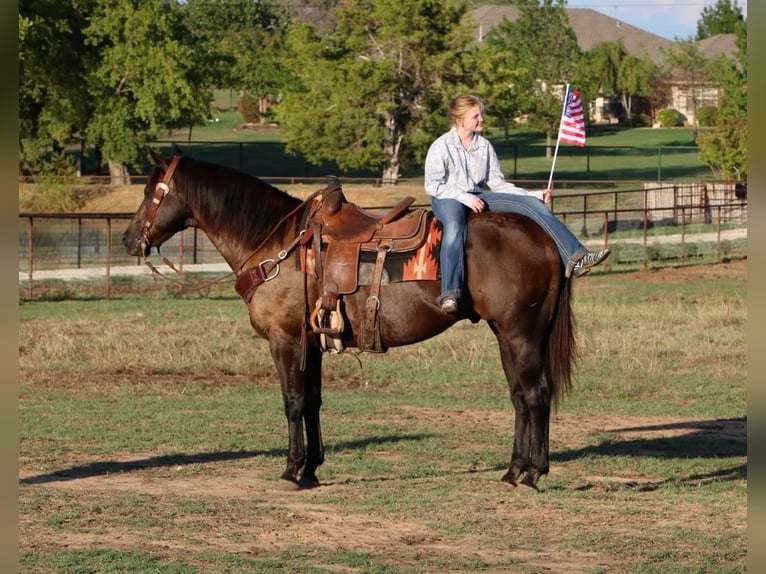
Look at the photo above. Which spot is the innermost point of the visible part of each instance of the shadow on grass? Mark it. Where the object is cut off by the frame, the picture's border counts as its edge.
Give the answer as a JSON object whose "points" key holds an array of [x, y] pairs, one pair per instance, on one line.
{"points": [[718, 438], [115, 467], [706, 439]]}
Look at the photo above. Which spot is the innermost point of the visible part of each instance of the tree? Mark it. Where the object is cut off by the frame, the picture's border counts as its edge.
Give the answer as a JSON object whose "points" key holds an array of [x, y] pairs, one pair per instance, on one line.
{"points": [[53, 66], [689, 67], [724, 17], [603, 63], [244, 41], [113, 73], [609, 70], [724, 148], [147, 78], [501, 85], [542, 49], [636, 77], [373, 90]]}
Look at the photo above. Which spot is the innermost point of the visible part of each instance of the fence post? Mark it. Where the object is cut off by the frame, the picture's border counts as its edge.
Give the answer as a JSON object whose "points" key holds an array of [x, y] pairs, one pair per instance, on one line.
{"points": [[108, 257], [646, 235], [515, 161], [683, 235], [659, 164], [31, 263], [79, 242], [181, 258], [195, 239], [718, 238]]}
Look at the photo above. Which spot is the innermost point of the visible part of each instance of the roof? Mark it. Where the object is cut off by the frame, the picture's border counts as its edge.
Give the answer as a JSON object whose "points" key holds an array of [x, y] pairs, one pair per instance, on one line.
{"points": [[725, 44], [592, 28]]}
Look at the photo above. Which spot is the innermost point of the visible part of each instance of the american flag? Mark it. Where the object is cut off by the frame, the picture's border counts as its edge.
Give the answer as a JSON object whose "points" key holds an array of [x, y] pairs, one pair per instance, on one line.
{"points": [[572, 128]]}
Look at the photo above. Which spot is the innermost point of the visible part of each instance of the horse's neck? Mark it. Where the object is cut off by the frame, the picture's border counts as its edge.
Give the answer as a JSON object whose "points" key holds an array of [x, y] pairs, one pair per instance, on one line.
{"points": [[242, 242]]}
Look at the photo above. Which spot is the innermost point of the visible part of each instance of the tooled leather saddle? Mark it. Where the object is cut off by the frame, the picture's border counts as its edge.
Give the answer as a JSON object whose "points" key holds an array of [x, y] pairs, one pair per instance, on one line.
{"points": [[342, 233]]}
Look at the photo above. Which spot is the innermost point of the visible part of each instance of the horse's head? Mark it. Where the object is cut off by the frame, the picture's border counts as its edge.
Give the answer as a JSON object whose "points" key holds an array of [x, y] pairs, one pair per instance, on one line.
{"points": [[162, 213]]}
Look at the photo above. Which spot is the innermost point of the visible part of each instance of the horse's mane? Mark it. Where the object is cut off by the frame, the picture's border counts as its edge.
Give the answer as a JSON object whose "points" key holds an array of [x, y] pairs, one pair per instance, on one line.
{"points": [[232, 202]]}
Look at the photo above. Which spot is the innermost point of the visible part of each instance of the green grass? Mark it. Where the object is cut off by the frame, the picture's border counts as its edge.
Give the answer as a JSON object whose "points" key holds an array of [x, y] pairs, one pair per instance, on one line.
{"points": [[611, 153], [153, 429]]}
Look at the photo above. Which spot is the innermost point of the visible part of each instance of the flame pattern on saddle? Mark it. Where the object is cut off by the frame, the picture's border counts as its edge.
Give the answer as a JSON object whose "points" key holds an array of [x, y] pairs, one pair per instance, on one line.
{"points": [[421, 264]]}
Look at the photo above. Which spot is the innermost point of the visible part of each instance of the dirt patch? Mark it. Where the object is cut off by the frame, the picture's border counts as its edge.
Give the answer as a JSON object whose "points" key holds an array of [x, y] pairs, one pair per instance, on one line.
{"points": [[236, 505], [736, 268], [306, 519]]}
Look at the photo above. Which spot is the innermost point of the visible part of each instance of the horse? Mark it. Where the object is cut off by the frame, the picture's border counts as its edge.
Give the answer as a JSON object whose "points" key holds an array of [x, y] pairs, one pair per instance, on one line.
{"points": [[515, 283]]}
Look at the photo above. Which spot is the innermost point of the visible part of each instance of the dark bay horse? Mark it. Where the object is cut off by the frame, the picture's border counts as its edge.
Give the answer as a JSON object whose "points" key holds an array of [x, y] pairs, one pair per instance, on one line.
{"points": [[515, 278]]}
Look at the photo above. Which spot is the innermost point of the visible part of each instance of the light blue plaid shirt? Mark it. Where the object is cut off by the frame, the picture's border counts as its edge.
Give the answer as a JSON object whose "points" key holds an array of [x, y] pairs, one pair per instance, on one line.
{"points": [[451, 171]]}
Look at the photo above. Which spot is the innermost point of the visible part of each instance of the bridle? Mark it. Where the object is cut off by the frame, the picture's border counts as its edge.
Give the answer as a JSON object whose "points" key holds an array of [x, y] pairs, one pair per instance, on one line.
{"points": [[160, 191], [265, 271]]}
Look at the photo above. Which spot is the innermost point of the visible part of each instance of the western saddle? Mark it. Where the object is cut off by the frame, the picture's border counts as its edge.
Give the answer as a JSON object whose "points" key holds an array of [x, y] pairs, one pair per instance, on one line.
{"points": [[341, 232]]}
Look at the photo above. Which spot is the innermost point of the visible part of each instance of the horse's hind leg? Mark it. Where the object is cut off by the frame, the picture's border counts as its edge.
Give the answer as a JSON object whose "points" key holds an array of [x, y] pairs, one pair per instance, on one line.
{"points": [[531, 398], [301, 395]]}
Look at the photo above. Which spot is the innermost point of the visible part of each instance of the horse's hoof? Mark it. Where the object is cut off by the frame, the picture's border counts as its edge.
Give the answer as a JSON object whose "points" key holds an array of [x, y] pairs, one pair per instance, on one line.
{"points": [[307, 482], [530, 480], [287, 485], [510, 478]]}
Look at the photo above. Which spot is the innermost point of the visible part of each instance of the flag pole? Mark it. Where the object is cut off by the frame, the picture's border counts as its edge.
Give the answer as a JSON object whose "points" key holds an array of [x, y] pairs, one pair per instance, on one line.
{"points": [[558, 138]]}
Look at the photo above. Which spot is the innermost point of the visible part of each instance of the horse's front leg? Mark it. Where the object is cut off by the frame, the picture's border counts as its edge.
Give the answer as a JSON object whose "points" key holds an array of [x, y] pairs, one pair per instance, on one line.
{"points": [[311, 405], [520, 451], [301, 396]]}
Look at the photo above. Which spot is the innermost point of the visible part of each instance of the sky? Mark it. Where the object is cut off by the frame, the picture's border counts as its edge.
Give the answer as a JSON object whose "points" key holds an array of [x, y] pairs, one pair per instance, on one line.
{"points": [[670, 19]]}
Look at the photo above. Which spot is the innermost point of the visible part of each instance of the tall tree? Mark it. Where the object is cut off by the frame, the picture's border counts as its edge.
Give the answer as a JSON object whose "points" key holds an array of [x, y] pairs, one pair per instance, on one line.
{"points": [[372, 90], [53, 67], [604, 61], [722, 18], [501, 85], [689, 68], [244, 41], [542, 48], [147, 78], [724, 148], [636, 77]]}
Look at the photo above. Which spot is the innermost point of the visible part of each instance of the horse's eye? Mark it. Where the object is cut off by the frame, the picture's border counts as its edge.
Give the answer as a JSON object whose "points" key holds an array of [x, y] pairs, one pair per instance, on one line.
{"points": [[147, 190]]}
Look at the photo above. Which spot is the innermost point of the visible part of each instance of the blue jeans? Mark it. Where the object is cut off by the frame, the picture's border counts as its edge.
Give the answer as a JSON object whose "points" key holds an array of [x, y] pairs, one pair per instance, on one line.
{"points": [[453, 216]]}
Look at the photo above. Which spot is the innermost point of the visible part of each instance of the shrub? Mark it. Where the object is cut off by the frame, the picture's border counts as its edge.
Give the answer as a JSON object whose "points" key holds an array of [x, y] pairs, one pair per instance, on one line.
{"points": [[640, 121], [248, 109], [707, 115], [669, 118]]}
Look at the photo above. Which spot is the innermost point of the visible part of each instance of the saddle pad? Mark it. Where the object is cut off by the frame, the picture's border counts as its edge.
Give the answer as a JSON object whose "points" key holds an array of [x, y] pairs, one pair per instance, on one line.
{"points": [[421, 264]]}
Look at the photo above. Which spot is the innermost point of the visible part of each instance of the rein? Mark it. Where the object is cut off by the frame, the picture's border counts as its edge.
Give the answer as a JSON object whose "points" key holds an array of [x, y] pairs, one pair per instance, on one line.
{"points": [[266, 270], [160, 191], [249, 279]]}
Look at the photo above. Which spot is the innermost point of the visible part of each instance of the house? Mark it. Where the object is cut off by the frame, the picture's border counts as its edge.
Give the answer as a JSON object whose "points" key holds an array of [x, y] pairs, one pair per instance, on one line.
{"points": [[592, 28]]}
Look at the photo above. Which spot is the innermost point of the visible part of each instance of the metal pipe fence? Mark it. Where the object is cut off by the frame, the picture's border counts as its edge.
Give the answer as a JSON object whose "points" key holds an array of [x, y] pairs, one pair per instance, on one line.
{"points": [[642, 230]]}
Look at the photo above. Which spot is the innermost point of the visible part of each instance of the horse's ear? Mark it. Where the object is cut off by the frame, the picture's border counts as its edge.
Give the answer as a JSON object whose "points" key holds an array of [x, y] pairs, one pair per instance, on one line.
{"points": [[176, 149], [158, 159]]}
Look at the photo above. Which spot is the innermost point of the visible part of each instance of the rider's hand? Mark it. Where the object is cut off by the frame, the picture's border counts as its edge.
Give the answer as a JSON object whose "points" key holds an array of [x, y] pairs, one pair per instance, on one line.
{"points": [[547, 196], [477, 205]]}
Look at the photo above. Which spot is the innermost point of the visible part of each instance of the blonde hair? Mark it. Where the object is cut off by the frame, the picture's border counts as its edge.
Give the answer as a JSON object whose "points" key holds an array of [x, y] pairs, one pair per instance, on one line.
{"points": [[460, 105]]}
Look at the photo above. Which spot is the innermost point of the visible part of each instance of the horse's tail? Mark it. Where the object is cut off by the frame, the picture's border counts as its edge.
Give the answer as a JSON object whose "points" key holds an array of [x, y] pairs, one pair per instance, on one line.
{"points": [[562, 347]]}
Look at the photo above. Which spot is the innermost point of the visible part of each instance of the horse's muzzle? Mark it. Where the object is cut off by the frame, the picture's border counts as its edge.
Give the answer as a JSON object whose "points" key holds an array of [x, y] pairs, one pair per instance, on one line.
{"points": [[138, 246]]}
